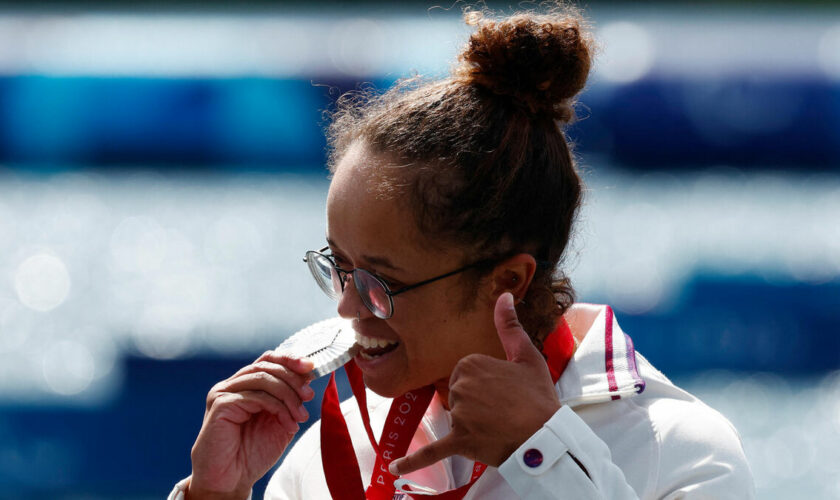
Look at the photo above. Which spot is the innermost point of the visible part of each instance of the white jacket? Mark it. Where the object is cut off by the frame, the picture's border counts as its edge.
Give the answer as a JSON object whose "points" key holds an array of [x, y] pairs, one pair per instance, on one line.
{"points": [[624, 432]]}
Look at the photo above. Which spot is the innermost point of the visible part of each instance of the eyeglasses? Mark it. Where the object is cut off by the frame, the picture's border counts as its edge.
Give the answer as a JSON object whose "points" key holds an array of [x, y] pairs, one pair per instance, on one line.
{"points": [[374, 291]]}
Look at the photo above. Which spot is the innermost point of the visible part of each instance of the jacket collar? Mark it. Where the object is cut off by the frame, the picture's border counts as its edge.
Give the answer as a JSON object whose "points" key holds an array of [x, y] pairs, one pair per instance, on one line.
{"points": [[604, 366]]}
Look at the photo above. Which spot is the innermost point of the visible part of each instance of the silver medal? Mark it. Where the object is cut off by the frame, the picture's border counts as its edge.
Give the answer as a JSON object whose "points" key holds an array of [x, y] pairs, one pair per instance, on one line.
{"points": [[329, 344]]}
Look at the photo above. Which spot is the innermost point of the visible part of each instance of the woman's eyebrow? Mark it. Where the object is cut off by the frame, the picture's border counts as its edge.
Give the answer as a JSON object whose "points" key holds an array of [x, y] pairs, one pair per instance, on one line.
{"points": [[374, 260], [381, 261], [371, 259]]}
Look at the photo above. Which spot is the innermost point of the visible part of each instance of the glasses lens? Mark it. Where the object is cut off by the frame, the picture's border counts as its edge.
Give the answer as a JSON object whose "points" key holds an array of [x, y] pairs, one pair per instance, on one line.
{"points": [[324, 273], [373, 293]]}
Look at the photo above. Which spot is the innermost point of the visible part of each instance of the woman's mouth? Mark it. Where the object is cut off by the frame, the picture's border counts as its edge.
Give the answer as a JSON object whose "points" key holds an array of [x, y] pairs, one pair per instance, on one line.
{"points": [[372, 348]]}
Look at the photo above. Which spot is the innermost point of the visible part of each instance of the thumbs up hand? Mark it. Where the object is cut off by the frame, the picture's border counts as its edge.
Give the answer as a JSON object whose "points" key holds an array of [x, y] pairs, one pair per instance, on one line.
{"points": [[495, 405]]}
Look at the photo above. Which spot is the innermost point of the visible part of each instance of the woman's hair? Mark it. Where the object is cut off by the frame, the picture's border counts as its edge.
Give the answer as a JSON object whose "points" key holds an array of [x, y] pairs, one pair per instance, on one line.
{"points": [[481, 156]]}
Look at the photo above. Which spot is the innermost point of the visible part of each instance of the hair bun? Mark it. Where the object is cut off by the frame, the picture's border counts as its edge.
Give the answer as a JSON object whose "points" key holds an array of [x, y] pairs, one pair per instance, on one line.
{"points": [[540, 60]]}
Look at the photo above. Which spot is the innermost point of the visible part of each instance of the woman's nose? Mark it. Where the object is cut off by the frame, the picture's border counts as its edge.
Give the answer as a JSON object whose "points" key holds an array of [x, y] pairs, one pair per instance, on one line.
{"points": [[350, 304]]}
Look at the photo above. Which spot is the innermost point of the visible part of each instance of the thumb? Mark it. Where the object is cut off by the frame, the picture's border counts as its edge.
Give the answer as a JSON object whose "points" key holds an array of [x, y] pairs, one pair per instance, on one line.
{"points": [[515, 340]]}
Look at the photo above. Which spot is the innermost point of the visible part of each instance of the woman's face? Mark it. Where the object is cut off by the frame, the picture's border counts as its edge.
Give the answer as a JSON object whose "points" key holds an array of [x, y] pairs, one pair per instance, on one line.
{"points": [[430, 329]]}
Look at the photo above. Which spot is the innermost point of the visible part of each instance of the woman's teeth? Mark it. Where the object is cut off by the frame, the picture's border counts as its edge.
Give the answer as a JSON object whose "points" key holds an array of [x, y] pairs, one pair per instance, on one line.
{"points": [[371, 342], [374, 347]]}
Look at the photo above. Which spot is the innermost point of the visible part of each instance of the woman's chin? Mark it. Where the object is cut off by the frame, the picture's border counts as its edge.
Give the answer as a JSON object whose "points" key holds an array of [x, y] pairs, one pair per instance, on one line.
{"points": [[387, 385], [388, 375], [383, 373]]}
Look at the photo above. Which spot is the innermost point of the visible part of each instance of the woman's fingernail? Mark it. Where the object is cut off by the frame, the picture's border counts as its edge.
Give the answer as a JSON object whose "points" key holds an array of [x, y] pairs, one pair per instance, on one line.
{"points": [[308, 393], [393, 468]]}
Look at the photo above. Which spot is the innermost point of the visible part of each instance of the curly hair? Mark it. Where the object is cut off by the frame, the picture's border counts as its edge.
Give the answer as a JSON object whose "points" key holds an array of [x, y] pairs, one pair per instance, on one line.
{"points": [[481, 156]]}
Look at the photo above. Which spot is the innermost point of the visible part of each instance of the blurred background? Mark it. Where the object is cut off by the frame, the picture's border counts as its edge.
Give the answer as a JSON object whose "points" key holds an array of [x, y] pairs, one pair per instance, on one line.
{"points": [[162, 174]]}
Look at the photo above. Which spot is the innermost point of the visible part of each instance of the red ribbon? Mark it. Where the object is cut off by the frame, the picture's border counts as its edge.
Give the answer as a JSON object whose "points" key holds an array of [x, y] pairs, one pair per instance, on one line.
{"points": [[341, 467]]}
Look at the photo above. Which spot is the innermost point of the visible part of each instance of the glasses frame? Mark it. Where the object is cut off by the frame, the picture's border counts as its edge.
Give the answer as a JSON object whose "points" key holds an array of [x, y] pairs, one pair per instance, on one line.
{"points": [[343, 273]]}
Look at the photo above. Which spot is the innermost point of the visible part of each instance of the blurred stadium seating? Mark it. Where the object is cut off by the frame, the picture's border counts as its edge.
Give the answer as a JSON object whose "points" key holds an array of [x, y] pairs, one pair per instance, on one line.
{"points": [[162, 175]]}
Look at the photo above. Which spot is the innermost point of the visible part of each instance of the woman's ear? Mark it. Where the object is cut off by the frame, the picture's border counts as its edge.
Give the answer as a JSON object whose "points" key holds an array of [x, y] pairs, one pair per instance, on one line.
{"points": [[514, 275]]}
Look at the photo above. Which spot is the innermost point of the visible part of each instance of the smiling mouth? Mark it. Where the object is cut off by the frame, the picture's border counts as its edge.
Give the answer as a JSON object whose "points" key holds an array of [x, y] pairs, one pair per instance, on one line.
{"points": [[372, 348]]}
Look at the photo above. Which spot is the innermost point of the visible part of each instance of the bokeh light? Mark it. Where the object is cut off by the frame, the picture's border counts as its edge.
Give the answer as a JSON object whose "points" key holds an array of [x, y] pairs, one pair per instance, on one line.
{"points": [[360, 46], [629, 52], [68, 367], [138, 244], [15, 326], [829, 52], [42, 282]]}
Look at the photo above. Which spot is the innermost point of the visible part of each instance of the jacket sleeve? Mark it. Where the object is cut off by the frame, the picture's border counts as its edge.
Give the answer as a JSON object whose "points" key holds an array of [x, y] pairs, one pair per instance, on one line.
{"points": [[177, 492], [699, 456], [565, 458]]}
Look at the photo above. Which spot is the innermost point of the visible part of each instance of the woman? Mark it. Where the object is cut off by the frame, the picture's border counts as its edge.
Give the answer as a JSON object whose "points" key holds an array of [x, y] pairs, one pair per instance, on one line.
{"points": [[450, 209]]}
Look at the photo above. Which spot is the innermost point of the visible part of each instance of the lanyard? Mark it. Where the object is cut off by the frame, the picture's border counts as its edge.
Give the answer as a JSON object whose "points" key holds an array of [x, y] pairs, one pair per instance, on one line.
{"points": [[341, 468]]}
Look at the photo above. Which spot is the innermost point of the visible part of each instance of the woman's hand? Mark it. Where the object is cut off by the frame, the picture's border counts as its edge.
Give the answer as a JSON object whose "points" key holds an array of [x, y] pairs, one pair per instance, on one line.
{"points": [[250, 419], [495, 405]]}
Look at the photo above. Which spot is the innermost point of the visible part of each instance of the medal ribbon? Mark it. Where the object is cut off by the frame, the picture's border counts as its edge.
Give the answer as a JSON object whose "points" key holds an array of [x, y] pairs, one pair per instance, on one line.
{"points": [[341, 467]]}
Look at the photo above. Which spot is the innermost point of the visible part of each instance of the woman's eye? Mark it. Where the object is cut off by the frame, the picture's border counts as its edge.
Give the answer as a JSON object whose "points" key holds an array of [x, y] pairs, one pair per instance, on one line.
{"points": [[339, 260], [391, 283]]}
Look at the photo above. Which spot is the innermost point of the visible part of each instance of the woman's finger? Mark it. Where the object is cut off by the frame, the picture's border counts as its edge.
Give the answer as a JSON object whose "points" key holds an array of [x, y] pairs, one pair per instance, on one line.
{"points": [[518, 346], [433, 452], [300, 383], [297, 365], [239, 407], [269, 384], [301, 367]]}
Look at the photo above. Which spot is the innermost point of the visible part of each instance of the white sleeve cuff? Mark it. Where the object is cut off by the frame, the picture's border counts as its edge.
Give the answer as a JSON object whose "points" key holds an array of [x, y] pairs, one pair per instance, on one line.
{"points": [[565, 456], [179, 491]]}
